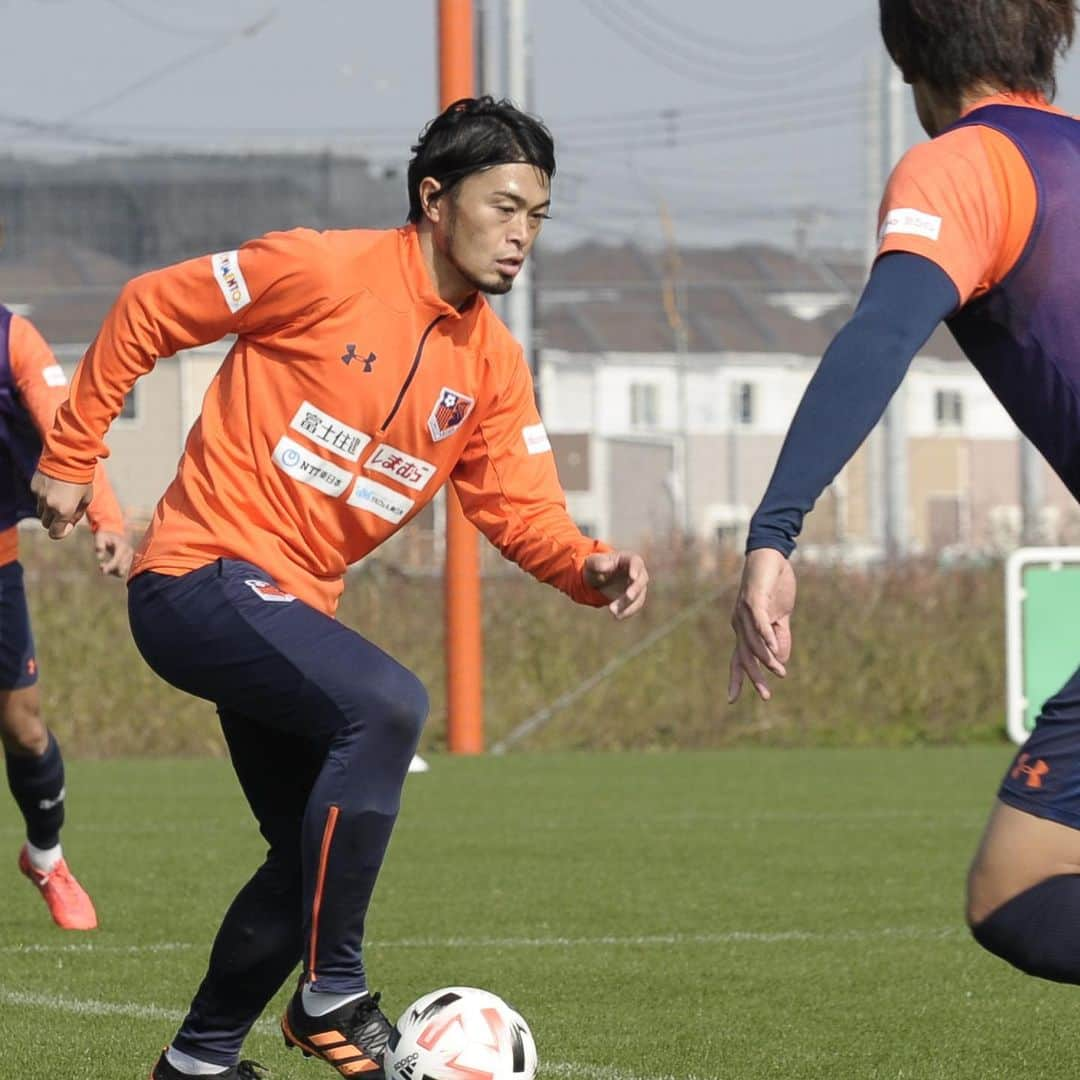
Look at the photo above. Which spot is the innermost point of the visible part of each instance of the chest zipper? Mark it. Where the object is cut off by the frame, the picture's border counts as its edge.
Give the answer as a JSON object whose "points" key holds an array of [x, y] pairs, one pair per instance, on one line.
{"points": [[412, 373]]}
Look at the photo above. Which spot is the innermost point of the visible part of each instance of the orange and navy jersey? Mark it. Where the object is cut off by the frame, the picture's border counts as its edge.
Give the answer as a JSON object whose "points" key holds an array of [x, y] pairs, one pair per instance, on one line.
{"points": [[965, 200], [995, 202], [352, 392], [32, 388]]}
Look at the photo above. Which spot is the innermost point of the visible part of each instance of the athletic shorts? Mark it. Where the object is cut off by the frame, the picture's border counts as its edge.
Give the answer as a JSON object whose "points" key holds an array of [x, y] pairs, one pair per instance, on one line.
{"points": [[18, 664], [1044, 777]]}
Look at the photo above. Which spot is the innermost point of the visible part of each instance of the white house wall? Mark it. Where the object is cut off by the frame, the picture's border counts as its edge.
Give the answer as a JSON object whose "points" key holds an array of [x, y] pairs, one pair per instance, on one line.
{"points": [[730, 460], [984, 417]]}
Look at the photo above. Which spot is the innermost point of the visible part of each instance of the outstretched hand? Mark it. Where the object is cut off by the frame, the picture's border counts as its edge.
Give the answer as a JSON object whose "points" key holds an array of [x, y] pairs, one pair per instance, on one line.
{"points": [[621, 576], [113, 552], [762, 622], [60, 505]]}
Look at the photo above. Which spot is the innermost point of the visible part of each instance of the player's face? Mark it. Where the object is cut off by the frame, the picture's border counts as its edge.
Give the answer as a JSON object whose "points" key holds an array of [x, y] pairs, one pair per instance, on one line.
{"points": [[487, 225]]}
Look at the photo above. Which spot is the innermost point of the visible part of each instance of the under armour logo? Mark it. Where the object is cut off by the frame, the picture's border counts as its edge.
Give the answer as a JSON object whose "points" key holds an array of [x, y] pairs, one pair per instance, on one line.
{"points": [[1033, 770], [350, 355]]}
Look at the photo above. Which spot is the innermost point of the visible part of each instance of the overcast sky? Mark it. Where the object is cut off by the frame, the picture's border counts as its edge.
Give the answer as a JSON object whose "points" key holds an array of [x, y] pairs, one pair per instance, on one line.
{"points": [[728, 117]]}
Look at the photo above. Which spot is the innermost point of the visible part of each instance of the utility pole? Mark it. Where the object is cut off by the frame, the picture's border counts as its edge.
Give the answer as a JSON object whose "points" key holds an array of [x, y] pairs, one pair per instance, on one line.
{"points": [[464, 633], [674, 305], [1032, 494], [487, 55], [519, 301], [875, 182]]}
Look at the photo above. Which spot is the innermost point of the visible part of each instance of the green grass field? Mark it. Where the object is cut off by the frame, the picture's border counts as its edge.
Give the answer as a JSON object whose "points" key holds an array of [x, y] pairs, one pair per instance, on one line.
{"points": [[741, 914]]}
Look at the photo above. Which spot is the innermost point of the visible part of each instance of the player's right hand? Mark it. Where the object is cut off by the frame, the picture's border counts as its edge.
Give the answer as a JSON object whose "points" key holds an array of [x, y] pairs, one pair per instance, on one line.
{"points": [[762, 622], [60, 505]]}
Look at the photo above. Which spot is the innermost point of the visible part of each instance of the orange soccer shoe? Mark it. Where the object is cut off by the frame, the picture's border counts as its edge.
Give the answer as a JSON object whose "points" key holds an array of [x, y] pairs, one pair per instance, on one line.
{"points": [[69, 905]]}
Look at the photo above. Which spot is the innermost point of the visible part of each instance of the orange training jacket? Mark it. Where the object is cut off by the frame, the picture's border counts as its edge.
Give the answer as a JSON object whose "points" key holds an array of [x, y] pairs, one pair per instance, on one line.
{"points": [[41, 387], [352, 393]]}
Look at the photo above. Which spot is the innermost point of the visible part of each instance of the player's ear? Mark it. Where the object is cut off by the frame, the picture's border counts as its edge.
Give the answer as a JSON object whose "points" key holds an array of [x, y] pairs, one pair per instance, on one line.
{"points": [[430, 202]]}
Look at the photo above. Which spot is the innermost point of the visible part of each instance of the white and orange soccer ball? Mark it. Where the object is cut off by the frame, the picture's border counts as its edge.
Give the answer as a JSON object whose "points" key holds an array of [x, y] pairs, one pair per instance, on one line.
{"points": [[460, 1033]]}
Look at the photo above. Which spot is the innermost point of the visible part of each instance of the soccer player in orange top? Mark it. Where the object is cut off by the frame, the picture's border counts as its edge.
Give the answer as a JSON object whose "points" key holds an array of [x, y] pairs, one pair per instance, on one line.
{"points": [[368, 369], [32, 386], [980, 227]]}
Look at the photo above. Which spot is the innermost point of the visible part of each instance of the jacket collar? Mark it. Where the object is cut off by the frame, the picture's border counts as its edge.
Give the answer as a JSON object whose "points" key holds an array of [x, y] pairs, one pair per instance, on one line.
{"points": [[420, 289]]}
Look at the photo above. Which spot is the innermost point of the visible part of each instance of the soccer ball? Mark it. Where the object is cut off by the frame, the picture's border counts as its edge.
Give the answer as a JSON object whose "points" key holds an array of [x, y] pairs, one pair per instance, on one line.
{"points": [[460, 1033]]}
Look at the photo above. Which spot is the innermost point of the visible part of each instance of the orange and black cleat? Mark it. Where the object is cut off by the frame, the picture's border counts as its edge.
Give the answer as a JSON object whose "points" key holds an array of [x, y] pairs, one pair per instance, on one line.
{"points": [[68, 902], [352, 1039]]}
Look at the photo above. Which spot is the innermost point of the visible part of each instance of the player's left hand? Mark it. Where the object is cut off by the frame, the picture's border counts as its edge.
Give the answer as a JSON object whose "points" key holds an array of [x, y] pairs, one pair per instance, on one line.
{"points": [[762, 621], [621, 576], [113, 553]]}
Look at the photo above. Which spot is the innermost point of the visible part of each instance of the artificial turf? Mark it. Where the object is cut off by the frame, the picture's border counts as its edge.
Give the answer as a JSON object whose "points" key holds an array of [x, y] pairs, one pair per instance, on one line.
{"points": [[741, 914]]}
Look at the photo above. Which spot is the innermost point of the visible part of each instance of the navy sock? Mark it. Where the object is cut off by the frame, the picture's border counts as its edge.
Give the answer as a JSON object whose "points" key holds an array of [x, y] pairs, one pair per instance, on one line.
{"points": [[38, 786], [1039, 930]]}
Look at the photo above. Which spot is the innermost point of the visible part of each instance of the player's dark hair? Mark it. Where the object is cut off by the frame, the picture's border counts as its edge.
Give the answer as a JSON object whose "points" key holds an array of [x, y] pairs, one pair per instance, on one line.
{"points": [[956, 45], [474, 134]]}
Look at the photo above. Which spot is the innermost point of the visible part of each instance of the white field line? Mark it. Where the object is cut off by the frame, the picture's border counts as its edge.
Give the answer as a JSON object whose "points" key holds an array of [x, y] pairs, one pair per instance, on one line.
{"points": [[90, 1007], [269, 1026], [838, 819], [730, 937], [98, 950]]}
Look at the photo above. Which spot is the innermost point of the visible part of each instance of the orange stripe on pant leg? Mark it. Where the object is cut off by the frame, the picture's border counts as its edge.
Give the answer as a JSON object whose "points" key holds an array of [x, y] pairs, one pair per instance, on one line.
{"points": [[320, 881]]}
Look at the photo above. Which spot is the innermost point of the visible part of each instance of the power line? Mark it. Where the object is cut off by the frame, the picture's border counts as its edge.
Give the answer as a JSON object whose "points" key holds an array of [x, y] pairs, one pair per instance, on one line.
{"points": [[174, 65], [669, 115], [612, 123], [702, 67], [773, 50], [685, 134], [698, 135], [169, 28], [58, 129]]}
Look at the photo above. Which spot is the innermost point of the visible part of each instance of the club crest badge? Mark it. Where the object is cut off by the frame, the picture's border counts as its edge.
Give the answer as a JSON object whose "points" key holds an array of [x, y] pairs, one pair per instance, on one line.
{"points": [[449, 413]]}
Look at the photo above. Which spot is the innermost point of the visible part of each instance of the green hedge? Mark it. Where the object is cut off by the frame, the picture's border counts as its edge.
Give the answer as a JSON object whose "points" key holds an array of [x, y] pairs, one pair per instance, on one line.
{"points": [[910, 656]]}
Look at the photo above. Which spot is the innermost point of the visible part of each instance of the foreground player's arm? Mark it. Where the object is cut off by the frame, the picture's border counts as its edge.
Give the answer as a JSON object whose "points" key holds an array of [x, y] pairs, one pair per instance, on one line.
{"points": [[273, 281], [905, 299], [956, 215], [509, 489]]}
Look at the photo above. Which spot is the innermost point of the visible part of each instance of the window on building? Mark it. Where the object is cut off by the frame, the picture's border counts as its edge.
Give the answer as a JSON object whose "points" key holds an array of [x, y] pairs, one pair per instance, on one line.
{"points": [[644, 405], [130, 411], [745, 403], [948, 408]]}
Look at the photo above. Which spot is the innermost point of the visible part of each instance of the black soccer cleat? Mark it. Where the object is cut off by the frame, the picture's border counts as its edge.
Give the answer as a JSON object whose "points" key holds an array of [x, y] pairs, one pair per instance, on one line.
{"points": [[245, 1070], [352, 1039]]}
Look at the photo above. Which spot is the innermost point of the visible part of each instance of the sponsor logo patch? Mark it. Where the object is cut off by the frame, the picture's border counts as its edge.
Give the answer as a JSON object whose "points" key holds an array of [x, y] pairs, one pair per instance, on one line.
{"points": [[230, 279], [54, 375], [411, 471], [908, 222], [380, 500], [301, 464], [536, 439], [449, 413], [268, 591], [322, 428]]}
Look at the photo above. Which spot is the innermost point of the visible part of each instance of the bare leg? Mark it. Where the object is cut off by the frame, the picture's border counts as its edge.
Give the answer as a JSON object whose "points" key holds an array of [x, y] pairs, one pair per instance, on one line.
{"points": [[1023, 895], [22, 731]]}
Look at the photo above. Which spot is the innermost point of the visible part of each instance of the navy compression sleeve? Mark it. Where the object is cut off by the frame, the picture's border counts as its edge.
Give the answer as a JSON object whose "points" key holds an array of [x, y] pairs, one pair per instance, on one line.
{"points": [[904, 300]]}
